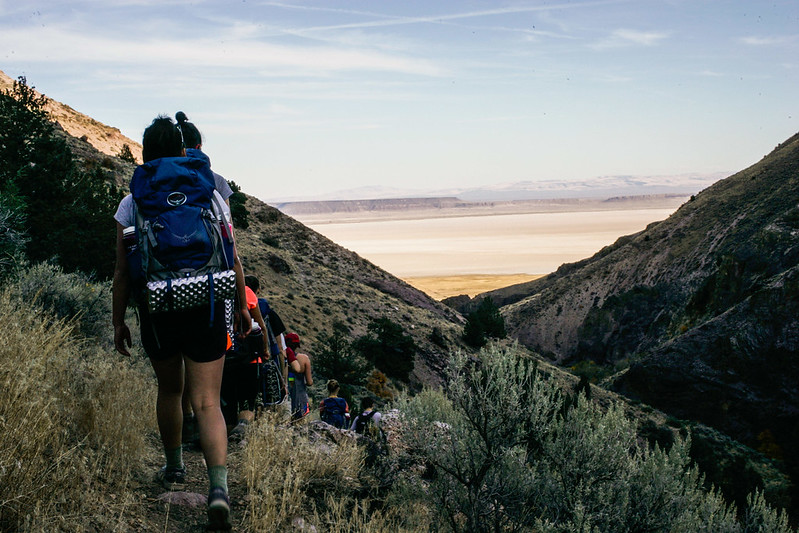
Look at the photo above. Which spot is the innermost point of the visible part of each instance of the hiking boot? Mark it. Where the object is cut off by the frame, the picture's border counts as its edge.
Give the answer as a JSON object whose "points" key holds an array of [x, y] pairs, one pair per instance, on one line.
{"points": [[172, 478], [218, 510], [238, 432]]}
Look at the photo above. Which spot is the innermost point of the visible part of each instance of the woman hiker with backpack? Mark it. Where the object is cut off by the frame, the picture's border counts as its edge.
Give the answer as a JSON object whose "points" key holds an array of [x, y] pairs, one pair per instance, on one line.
{"points": [[193, 141], [178, 336], [334, 410]]}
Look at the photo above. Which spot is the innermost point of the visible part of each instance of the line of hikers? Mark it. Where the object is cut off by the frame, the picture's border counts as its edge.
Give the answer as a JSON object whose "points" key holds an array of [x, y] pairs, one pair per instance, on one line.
{"points": [[176, 258]]}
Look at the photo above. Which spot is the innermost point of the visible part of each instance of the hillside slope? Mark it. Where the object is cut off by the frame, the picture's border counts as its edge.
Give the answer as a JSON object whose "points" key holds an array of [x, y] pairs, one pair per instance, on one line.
{"points": [[702, 309], [106, 139], [310, 281], [313, 282]]}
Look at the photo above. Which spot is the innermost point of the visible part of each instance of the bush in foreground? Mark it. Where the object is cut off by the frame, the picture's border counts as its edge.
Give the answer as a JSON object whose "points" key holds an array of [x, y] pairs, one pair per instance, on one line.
{"points": [[504, 454]]}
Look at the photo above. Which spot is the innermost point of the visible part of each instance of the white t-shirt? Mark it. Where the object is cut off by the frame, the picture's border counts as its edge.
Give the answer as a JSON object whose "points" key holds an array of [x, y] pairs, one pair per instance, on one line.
{"points": [[375, 420], [222, 186]]}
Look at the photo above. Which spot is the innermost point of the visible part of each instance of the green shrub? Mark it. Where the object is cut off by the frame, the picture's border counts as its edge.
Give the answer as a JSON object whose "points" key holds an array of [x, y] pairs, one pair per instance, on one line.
{"points": [[68, 210], [126, 155], [484, 323], [336, 359], [12, 235], [73, 297], [477, 437], [388, 347], [504, 453], [238, 209]]}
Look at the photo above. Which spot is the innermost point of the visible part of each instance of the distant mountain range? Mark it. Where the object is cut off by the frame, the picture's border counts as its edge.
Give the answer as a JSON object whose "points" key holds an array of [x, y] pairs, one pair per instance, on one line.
{"points": [[600, 187]]}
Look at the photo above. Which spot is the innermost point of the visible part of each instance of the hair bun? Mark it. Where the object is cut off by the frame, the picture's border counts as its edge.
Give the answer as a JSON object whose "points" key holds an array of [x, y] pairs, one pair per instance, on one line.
{"points": [[181, 117]]}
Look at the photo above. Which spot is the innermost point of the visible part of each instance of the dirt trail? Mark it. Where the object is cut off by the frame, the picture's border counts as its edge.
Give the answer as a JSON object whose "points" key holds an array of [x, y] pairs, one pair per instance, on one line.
{"points": [[184, 511]]}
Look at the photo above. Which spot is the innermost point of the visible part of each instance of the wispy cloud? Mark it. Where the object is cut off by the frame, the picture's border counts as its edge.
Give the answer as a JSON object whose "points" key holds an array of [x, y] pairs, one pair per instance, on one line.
{"points": [[394, 20], [771, 40], [625, 37], [222, 51]]}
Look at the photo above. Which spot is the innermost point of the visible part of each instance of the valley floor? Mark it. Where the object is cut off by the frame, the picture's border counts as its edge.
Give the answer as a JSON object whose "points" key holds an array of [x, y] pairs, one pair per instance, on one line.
{"points": [[440, 287]]}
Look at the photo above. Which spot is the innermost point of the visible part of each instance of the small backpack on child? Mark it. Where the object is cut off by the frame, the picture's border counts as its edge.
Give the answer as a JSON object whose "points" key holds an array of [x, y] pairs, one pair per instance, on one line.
{"points": [[333, 412], [363, 420]]}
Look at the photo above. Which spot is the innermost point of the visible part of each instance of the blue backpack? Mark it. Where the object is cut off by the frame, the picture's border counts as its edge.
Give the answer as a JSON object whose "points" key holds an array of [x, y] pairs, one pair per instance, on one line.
{"points": [[184, 256], [333, 412]]}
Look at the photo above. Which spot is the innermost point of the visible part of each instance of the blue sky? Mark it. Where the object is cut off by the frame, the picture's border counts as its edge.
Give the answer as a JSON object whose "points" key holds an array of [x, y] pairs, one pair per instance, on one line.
{"points": [[297, 99]]}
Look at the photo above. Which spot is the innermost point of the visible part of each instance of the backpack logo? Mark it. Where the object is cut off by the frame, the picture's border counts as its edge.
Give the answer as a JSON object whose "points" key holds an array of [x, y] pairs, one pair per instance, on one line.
{"points": [[176, 198]]}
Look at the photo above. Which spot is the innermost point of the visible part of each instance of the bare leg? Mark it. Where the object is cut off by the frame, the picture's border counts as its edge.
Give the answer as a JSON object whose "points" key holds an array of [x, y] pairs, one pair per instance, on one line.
{"points": [[187, 410], [168, 407], [205, 380]]}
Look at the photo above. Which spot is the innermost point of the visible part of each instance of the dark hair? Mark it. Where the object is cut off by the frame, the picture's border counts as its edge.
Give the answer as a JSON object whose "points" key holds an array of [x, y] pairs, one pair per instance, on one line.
{"points": [[367, 402], [332, 386], [252, 282], [161, 139], [191, 135]]}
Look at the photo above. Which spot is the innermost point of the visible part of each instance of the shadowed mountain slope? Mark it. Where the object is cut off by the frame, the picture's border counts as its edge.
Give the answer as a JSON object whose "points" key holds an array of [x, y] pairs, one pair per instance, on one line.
{"points": [[701, 311]]}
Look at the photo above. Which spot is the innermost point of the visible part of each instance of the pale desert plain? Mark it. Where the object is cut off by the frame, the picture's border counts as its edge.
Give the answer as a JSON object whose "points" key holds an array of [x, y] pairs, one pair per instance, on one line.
{"points": [[453, 255]]}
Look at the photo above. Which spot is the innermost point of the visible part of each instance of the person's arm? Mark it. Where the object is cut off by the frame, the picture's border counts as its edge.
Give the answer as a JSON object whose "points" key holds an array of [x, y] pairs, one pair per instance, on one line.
{"points": [[259, 319], [296, 367], [246, 320], [120, 296], [291, 357], [308, 376]]}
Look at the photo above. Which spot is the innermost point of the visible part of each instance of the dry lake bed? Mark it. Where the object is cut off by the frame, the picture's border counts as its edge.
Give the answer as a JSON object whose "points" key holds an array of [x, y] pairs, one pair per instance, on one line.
{"points": [[446, 256]]}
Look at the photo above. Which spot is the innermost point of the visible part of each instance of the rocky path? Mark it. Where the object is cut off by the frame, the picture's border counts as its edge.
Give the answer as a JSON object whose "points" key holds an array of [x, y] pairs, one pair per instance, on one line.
{"points": [[184, 511]]}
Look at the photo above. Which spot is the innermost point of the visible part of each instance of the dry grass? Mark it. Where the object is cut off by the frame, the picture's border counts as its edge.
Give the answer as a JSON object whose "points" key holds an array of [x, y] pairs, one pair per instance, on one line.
{"points": [[68, 442], [298, 481]]}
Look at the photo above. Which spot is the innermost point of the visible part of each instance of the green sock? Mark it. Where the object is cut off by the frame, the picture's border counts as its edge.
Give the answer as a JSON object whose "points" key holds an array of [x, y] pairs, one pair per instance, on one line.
{"points": [[174, 457], [217, 476]]}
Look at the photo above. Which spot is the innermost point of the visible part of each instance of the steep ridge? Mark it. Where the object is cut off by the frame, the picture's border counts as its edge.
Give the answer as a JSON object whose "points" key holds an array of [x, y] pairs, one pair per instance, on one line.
{"points": [[700, 310], [106, 139]]}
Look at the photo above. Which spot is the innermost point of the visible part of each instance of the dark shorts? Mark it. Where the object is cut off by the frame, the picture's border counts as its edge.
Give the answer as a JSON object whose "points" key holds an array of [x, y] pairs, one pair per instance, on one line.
{"points": [[188, 332], [240, 388]]}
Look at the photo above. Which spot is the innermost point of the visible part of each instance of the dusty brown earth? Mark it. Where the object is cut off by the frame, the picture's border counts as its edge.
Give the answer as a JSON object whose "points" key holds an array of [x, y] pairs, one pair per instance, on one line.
{"points": [[104, 138]]}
